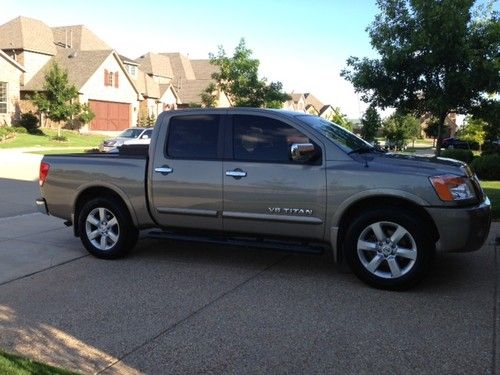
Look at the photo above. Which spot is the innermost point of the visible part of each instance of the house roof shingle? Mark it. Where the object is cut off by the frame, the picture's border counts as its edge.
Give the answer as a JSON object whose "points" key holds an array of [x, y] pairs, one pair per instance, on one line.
{"points": [[181, 66], [155, 64], [80, 67], [78, 37], [203, 69], [315, 102], [27, 34], [146, 85], [189, 91]]}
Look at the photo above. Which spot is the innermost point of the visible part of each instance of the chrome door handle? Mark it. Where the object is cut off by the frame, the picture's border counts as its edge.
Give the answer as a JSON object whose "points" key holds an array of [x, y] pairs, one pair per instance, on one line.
{"points": [[237, 173], [164, 170]]}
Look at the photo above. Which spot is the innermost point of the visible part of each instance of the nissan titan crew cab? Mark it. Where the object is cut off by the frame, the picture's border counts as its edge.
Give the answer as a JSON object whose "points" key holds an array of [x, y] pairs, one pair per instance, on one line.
{"points": [[274, 179]]}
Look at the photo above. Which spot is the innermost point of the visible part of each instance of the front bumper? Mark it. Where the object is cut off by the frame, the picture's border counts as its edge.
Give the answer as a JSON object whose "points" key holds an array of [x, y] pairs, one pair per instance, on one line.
{"points": [[462, 229], [41, 205]]}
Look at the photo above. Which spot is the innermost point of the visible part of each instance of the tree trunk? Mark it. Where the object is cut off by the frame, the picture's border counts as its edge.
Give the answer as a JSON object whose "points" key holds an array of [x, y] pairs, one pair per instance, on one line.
{"points": [[442, 119]]}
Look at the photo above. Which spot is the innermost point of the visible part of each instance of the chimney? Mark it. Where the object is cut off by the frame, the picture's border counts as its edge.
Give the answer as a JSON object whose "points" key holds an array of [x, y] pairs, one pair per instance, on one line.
{"points": [[71, 38]]}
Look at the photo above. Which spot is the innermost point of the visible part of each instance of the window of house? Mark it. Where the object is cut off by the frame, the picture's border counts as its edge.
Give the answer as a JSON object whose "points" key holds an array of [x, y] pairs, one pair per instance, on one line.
{"points": [[193, 137], [110, 78], [3, 97], [262, 139], [131, 69]]}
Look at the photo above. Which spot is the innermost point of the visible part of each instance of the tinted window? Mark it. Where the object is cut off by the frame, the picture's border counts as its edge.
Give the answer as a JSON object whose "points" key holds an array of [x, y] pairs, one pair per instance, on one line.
{"points": [[148, 133], [193, 137], [131, 133], [264, 139]]}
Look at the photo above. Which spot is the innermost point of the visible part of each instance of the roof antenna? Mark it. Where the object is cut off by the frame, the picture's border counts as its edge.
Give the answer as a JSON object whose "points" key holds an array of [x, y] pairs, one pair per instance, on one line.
{"points": [[71, 38], [65, 38]]}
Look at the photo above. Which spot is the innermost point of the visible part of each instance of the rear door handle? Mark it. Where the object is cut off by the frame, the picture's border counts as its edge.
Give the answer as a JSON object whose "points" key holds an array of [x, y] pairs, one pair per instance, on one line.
{"points": [[237, 173], [164, 170]]}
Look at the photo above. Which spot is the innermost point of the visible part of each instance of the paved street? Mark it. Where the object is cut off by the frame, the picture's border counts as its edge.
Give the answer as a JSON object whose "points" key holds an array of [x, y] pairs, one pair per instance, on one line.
{"points": [[175, 308]]}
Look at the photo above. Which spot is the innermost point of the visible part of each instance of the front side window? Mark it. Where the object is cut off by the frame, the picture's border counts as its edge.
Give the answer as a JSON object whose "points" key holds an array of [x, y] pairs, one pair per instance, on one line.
{"points": [[131, 133], [262, 139], [3, 97], [193, 137], [346, 140]]}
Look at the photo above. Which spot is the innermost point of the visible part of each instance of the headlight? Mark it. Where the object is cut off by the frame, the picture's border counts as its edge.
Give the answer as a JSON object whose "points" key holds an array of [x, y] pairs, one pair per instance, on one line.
{"points": [[109, 143], [451, 188]]}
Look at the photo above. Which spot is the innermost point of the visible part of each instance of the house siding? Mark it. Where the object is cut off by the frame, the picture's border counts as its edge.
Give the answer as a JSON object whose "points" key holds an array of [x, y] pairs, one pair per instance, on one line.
{"points": [[94, 88], [12, 75], [32, 63]]}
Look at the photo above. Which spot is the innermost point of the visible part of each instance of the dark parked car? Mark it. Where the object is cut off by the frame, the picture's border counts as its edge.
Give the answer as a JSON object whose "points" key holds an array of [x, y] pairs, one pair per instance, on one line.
{"points": [[455, 143]]}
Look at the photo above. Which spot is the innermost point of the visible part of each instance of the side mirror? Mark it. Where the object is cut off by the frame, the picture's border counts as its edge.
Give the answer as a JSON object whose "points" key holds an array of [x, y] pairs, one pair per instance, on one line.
{"points": [[302, 151], [145, 136]]}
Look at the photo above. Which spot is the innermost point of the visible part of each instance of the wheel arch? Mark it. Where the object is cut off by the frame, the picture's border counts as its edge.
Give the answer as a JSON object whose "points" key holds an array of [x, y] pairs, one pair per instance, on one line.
{"points": [[99, 191], [374, 202]]}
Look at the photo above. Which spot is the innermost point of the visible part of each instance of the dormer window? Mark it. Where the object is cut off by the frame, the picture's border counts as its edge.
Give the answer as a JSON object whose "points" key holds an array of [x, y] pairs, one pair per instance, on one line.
{"points": [[132, 69]]}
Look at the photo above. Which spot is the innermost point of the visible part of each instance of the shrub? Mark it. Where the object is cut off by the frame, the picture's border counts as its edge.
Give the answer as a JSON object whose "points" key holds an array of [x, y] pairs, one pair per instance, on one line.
{"points": [[30, 122], [490, 148], [6, 132], [458, 154], [19, 130], [59, 138], [487, 167]]}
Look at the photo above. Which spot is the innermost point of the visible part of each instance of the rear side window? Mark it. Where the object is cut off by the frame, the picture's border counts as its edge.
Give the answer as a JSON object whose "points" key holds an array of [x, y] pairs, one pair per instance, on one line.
{"points": [[193, 137], [263, 139]]}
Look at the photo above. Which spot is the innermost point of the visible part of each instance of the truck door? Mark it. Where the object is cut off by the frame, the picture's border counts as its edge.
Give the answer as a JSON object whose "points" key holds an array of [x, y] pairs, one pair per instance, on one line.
{"points": [[265, 191], [186, 173]]}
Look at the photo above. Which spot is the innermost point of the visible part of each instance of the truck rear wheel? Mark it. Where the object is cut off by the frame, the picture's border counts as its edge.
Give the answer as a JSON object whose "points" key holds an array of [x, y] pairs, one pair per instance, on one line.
{"points": [[388, 248], [106, 229]]}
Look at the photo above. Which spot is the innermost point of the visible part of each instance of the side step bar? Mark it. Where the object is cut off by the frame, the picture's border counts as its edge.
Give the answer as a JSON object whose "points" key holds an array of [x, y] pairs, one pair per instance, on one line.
{"points": [[295, 246]]}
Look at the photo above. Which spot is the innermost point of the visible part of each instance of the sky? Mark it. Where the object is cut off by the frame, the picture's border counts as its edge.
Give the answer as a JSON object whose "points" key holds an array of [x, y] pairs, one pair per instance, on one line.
{"points": [[303, 44]]}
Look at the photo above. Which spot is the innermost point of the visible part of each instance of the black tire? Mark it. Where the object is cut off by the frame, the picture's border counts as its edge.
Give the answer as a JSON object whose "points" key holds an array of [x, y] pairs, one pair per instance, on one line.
{"points": [[389, 265], [96, 216]]}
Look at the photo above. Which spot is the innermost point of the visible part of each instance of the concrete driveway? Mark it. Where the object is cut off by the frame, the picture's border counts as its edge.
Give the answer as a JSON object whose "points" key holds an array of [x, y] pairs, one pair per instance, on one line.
{"points": [[173, 307]]}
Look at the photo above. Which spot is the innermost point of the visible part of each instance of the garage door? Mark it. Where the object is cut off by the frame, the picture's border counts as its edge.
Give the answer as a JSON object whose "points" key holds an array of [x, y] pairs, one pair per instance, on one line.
{"points": [[110, 116]]}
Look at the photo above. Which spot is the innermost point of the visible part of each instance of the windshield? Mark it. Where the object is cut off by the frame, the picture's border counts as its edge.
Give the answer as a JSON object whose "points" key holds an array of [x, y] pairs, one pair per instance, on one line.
{"points": [[131, 133], [346, 140]]}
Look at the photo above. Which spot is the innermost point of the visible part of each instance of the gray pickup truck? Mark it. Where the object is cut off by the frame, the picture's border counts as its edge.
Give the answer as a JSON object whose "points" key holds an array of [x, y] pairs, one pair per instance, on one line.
{"points": [[273, 179]]}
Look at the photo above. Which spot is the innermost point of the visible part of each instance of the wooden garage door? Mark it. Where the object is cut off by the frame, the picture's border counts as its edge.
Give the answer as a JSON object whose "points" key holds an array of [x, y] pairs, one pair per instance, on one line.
{"points": [[110, 115]]}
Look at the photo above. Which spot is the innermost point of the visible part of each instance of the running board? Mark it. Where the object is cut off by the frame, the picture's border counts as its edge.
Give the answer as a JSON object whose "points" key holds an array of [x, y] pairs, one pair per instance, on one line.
{"points": [[295, 246]]}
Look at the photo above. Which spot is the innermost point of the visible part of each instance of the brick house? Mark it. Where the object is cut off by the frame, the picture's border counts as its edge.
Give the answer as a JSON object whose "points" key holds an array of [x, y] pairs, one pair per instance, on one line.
{"points": [[10, 78], [93, 67]]}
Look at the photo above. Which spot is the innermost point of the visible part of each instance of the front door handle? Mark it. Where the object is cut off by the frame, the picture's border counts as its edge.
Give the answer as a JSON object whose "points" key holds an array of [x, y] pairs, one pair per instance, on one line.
{"points": [[237, 173], [164, 170]]}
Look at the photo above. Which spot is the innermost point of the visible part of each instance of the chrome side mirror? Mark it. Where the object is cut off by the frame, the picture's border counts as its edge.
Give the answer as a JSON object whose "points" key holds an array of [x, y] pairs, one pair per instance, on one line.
{"points": [[301, 151]]}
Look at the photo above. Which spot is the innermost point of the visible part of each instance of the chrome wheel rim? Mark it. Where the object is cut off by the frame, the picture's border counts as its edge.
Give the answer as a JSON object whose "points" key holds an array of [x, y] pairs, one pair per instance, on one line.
{"points": [[102, 229], [387, 249]]}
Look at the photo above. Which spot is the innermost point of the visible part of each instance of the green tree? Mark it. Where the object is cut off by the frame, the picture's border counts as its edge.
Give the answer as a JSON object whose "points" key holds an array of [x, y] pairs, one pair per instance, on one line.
{"points": [[398, 129], [58, 100], [474, 130], [371, 123], [238, 77], [341, 119], [431, 131], [435, 57], [86, 115]]}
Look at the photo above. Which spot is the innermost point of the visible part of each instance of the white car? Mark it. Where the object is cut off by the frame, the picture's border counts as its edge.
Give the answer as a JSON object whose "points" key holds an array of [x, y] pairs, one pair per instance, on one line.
{"points": [[130, 136]]}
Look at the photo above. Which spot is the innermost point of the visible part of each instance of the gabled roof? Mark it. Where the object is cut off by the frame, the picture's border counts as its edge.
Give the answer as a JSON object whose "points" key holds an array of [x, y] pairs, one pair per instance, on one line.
{"points": [[146, 86], [78, 37], [168, 86], [80, 65], [155, 64], [324, 109], [27, 34], [10, 60], [181, 66], [296, 97], [203, 69], [127, 61], [312, 100]]}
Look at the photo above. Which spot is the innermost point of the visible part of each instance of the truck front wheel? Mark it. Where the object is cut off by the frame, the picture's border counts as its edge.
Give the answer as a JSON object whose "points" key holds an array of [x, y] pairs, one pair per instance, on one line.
{"points": [[106, 229], [388, 248]]}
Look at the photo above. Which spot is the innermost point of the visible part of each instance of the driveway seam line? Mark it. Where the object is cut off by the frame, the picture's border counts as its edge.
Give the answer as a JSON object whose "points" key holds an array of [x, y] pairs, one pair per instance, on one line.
{"points": [[45, 269], [194, 313], [496, 317]]}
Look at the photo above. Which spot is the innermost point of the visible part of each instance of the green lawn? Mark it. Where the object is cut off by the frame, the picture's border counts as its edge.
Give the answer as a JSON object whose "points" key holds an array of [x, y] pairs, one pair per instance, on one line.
{"points": [[75, 139], [492, 189], [15, 365]]}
